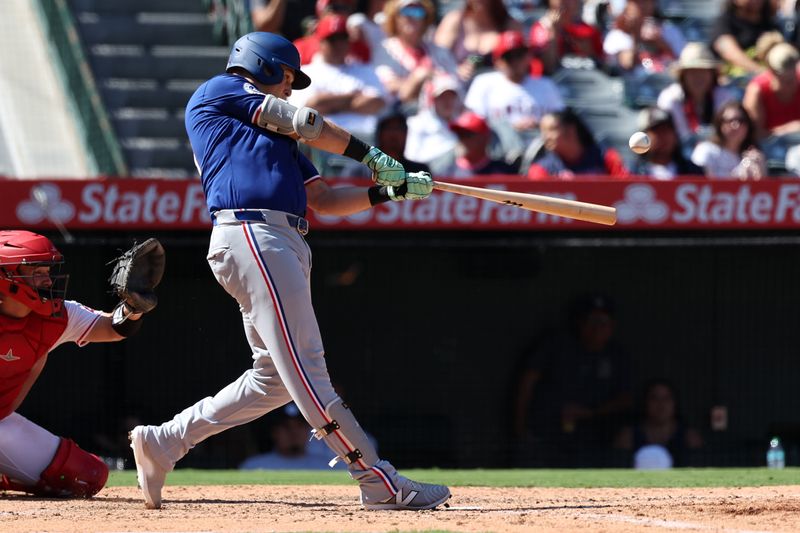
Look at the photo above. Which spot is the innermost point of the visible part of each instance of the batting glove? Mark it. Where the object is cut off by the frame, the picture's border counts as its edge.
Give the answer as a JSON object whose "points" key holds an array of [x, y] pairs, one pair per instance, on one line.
{"points": [[386, 170], [418, 186]]}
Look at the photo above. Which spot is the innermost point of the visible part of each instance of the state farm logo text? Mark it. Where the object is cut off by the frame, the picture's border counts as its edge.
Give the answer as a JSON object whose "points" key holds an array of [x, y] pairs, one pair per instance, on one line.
{"points": [[695, 203], [701, 203], [107, 203]]}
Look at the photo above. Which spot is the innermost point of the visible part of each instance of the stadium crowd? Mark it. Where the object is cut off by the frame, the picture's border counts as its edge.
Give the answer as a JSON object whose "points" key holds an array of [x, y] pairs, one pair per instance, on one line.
{"points": [[493, 69]]}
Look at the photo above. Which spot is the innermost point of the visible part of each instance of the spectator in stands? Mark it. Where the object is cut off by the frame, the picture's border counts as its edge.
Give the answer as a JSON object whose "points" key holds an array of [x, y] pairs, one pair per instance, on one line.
{"points": [[660, 423], [510, 95], [641, 41], [575, 390], [560, 33], [472, 32], [568, 151], [391, 135], [736, 32], [430, 139], [291, 445], [472, 158], [349, 94], [367, 25], [731, 152], [271, 16], [696, 94], [665, 160], [764, 44], [773, 97], [406, 60], [309, 44]]}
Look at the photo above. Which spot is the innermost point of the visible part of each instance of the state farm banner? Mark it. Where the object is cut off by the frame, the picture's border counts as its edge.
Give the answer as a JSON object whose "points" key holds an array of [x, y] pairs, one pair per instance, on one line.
{"points": [[179, 204]]}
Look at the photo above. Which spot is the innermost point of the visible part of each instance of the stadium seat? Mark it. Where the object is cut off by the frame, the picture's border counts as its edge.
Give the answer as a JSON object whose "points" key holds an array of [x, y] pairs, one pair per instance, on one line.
{"points": [[148, 57]]}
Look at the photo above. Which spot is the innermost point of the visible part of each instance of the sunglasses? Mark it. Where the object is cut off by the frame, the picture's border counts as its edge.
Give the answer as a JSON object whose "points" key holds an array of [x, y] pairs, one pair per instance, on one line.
{"points": [[414, 12], [733, 120]]}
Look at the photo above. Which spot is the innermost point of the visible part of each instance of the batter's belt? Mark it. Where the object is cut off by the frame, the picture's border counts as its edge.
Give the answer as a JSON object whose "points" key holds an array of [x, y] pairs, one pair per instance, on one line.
{"points": [[278, 218]]}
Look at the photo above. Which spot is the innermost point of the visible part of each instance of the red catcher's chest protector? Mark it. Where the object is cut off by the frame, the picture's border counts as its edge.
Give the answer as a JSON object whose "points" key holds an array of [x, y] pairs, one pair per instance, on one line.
{"points": [[23, 341]]}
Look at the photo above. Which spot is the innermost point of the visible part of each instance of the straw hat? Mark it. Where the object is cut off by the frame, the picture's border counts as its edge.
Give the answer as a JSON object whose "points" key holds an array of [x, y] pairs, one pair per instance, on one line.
{"points": [[695, 56]]}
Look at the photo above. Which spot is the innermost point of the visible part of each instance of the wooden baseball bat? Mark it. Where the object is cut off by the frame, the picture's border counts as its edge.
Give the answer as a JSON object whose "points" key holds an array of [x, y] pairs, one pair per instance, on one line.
{"points": [[600, 214]]}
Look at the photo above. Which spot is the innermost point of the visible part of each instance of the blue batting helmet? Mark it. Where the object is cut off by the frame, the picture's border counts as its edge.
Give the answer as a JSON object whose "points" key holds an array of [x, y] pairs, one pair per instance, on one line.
{"points": [[262, 54]]}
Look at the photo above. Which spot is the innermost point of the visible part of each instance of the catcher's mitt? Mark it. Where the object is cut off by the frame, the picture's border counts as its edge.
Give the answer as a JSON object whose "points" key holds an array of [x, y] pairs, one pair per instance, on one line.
{"points": [[136, 273]]}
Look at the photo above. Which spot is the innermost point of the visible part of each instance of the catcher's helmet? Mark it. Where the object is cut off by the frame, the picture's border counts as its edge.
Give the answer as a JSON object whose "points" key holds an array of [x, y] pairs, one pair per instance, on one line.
{"points": [[262, 54], [31, 249]]}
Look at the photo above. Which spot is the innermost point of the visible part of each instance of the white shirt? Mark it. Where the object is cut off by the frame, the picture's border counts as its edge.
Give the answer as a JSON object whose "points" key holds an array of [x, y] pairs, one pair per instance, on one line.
{"points": [[429, 137], [80, 320], [617, 41], [717, 161], [392, 60], [341, 79], [672, 99], [493, 96]]}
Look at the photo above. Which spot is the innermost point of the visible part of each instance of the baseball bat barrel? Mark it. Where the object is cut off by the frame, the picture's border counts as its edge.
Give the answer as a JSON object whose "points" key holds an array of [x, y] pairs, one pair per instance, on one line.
{"points": [[599, 214]]}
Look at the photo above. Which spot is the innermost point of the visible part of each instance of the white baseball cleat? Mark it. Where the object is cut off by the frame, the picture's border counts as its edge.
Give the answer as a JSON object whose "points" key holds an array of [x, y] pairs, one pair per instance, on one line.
{"points": [[149, 473], [412, 496]]}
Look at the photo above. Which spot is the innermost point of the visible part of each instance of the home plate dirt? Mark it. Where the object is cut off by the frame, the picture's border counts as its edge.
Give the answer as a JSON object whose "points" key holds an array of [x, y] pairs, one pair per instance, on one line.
{"points": [[335, 508]]}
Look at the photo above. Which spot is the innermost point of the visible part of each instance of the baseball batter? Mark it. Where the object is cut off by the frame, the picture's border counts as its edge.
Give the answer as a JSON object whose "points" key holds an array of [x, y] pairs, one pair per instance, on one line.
{"points": [[34, 320], [257, 184]]}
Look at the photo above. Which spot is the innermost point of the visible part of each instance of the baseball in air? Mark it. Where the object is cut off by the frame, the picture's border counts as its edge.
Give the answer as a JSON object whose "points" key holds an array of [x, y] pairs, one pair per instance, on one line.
{"points": [[639, 142]]}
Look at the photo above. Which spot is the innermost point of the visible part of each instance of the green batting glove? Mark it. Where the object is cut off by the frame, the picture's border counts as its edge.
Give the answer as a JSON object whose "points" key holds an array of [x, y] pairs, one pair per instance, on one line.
{"points": [[418, 186], [386, 170]]}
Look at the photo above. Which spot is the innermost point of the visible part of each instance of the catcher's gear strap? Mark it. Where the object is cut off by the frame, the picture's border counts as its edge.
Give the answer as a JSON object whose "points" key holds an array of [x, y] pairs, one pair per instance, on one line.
{"points": [[282, 117], [345, 437], [120, 322], [73, 473]]}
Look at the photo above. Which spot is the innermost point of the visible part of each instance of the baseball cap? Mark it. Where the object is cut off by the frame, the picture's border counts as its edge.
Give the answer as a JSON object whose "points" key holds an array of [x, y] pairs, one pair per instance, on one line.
{"points": [[584, 304], [470, 122], [440, 84], [509, 41], [782, 57], [331, 25], [652, 117]]}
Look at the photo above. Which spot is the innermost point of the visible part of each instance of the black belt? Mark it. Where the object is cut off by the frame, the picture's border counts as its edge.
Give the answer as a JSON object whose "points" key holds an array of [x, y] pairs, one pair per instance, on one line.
{"points": [[229, 216]]}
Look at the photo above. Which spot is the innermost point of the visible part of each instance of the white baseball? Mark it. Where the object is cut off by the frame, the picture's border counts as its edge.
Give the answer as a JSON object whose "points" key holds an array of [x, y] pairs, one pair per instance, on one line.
{"points": [[639, 142]]}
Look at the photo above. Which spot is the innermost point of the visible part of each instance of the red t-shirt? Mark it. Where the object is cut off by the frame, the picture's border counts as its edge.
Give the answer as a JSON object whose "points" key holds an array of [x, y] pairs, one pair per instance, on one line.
{"points": [[575, 38], [776, 112], [309, 45]]}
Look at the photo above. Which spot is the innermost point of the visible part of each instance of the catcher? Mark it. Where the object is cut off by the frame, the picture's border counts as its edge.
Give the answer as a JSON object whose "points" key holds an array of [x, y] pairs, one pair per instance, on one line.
{"points": [[35, 319]]}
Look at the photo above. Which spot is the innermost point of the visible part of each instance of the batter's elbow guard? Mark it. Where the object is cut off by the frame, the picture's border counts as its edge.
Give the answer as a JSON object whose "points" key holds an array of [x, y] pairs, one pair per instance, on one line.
{"points": [[73, 473], [308, 123]]}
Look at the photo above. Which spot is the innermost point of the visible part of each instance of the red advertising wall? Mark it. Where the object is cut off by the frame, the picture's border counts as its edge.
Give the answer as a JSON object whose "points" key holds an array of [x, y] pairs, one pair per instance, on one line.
{"points": [[166, 204]]}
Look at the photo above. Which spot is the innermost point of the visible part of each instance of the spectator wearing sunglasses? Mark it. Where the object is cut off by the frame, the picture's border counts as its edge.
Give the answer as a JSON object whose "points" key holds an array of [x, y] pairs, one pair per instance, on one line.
{"points": [[731, 152], [406, 59]]}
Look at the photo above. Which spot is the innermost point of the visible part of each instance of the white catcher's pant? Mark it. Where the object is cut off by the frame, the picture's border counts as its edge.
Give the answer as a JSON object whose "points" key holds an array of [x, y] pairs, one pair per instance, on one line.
{"points": [[267, 269], [25, 449]]}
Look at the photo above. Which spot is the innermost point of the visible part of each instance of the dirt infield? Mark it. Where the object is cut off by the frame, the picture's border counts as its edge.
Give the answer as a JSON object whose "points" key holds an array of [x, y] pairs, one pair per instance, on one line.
{"points": [[335, 508]]}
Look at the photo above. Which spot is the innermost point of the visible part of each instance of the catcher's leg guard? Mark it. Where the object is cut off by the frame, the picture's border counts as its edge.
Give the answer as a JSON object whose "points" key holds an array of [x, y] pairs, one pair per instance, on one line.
{"points": [[73, 473], [6, 483], [348, 441]]}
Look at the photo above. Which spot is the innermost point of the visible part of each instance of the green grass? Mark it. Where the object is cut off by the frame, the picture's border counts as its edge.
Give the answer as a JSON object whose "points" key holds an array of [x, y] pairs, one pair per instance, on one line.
{"points": [[679, 477]]}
